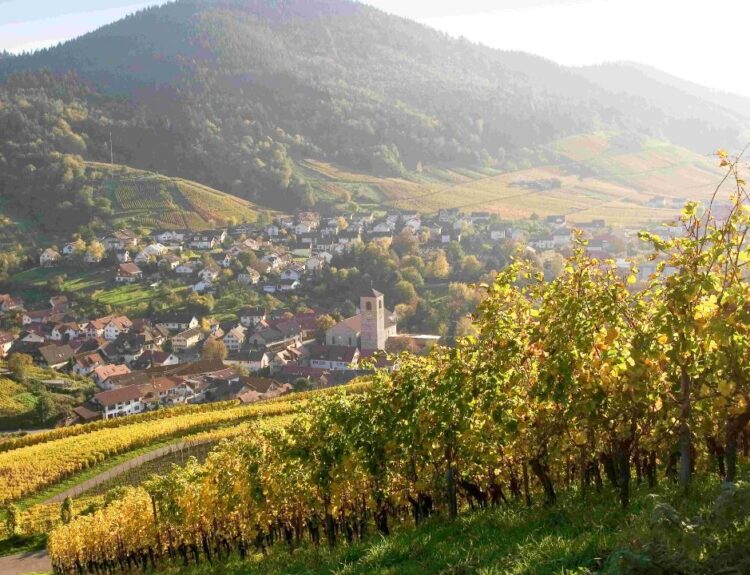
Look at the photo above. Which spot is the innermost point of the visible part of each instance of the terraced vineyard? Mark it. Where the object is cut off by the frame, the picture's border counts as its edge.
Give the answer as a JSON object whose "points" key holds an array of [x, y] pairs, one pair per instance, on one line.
{"points": [[154, 201], [42, 517], [594, 175], [36, 470], [26, 470], [32, 463]]}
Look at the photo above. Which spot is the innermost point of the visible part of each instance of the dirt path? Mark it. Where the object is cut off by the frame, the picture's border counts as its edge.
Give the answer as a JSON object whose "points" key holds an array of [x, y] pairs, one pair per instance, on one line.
{"points": [[24, 563], [97, 480], [39, 561]]}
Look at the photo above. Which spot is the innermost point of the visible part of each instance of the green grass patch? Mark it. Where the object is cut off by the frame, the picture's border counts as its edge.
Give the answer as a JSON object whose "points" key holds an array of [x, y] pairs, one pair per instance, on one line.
{"points": [[22, 544]]}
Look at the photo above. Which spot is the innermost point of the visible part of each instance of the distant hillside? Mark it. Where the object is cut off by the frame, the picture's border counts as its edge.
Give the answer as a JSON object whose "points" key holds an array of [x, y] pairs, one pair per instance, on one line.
{"points": [[143, 198], [649, 83], [598, 175], [236, 94]]}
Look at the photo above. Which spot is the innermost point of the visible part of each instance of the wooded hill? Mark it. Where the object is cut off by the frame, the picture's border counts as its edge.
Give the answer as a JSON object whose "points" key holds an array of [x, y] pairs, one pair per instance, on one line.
{"points": [[236, 93]]}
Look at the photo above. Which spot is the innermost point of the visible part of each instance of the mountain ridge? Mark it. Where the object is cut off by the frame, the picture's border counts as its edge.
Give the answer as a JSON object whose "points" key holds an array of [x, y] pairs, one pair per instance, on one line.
{"points": [[236, 93]]}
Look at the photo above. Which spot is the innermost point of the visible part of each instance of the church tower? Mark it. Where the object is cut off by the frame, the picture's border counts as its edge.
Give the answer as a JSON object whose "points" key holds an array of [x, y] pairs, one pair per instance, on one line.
{"points": [[372, 308]]}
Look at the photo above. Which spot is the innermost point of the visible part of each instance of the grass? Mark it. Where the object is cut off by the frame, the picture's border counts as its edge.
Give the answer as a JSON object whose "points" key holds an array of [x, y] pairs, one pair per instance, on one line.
{"points": [[22, 544], [75, 280], [494, 542], [98, 283], [18, 400]]}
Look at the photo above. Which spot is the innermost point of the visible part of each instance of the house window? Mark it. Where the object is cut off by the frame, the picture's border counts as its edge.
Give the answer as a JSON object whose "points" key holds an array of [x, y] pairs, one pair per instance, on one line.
{"points": [[368, 305]]}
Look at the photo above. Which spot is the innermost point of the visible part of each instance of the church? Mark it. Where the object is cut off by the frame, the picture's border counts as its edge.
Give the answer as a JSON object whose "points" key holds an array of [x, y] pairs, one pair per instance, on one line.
{"points": [[370, 329]]}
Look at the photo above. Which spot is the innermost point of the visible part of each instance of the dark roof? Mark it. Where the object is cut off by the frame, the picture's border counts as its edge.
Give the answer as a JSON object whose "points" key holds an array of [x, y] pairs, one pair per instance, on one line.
{"points": [[260, 384], [56, 354], [253, 312], [192, 332], [333, 352], [86, 414], [193, 368], [184, 317], [370, 292]]}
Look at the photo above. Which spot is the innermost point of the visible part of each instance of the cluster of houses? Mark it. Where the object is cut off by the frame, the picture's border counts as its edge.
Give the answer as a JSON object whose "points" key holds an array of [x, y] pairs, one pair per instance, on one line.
{"points": [[143, 364], [280, 256]]}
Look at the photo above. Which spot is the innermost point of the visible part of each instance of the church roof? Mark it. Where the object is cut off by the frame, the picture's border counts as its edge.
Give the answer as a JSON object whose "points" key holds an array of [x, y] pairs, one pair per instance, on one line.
{"points": [[370, 292], [354, 323]]}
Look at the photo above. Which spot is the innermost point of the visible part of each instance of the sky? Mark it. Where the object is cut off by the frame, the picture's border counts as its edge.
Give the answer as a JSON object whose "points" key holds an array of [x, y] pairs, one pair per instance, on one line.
{"points": [[692, 39]]}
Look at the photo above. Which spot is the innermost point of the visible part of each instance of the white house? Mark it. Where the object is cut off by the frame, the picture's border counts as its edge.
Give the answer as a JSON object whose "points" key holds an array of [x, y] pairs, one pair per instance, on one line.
{"points": [[209, 273], [294, 273], [49, 257], [332, 357], [63, 330], [179, 322], [187, 339], [103, 373], [273, 260], [252, 316], [252, 360], [289, 285], [171, 237], [128, 273], [116, 326], [187, 268], [154, 251], [123, 257], [315, 264], [235, 338], [203, 286], [121, 401]]}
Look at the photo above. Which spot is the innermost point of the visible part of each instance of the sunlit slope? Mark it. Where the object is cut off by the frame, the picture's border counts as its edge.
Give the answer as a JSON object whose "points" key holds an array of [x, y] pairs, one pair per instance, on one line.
{"points": [[147, 199], [592, 176]]}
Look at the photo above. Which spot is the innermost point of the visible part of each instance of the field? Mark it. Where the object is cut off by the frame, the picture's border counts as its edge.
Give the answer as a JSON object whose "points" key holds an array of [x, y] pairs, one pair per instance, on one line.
{"points": [[594, 176], [150, 200], [98, 283]]}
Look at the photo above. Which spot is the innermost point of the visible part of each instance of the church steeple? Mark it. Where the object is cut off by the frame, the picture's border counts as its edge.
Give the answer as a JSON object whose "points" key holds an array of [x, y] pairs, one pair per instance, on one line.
{"points": [[372, 308]]}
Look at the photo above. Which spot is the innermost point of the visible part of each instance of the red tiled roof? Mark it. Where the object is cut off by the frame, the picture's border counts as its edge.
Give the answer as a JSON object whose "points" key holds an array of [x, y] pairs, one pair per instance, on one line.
{"points": [[119, 395], [106, 371], [129, 268]]}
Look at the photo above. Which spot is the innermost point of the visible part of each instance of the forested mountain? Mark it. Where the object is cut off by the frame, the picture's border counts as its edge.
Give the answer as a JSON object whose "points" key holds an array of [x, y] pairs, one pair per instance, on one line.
{"points": [[233, 93]]}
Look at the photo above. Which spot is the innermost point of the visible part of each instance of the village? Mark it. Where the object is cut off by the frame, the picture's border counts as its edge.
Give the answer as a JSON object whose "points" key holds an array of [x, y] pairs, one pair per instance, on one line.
{"points": [[172, 357]]}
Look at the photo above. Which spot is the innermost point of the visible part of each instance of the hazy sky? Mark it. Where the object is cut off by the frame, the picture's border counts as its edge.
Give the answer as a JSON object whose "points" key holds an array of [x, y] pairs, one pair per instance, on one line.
{"points": [[693, 39]]}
